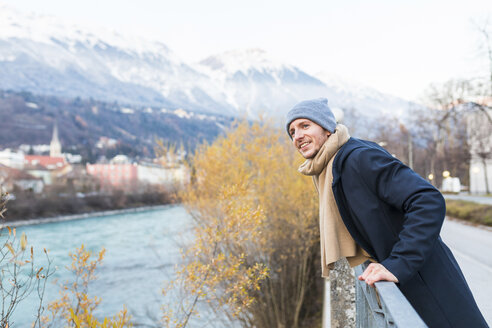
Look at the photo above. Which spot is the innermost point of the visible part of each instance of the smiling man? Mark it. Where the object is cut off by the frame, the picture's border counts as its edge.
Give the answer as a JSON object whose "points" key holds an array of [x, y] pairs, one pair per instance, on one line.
{"points": [[373, 207]]}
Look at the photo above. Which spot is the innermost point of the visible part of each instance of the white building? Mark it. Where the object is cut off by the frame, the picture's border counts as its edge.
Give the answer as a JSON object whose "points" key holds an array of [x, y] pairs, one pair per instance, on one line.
{"points": [[148, 173], [479, 130], [12, 159], [73, 158], [36, 149], [120, 159]]}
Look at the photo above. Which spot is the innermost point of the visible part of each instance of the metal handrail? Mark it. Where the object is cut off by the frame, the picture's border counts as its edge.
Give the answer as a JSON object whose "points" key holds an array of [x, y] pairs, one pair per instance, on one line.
{"points": [[383, 306]]}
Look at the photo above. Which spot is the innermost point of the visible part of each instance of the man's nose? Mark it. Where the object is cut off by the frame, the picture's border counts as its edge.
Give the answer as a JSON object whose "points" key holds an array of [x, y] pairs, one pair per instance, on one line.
{"points": [[298, 134]]}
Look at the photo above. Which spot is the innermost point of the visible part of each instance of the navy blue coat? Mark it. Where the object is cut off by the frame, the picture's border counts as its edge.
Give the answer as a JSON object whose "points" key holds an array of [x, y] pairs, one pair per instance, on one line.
{"points": [[396, 216]]}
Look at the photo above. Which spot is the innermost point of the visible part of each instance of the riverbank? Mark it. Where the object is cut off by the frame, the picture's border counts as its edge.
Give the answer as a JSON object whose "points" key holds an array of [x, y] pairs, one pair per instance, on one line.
{"points": [[19, 223], [63, 218], [29, 206]]}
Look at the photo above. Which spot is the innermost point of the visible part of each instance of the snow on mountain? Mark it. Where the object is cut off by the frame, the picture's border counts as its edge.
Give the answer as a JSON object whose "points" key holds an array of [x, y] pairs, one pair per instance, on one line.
{"points": [[46, 55], [256, 84], [234, 61], [357, 95]]}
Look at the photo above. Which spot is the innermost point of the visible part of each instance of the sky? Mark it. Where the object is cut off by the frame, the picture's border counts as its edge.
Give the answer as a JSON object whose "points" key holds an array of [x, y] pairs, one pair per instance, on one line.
{"points": [[397, 47]]}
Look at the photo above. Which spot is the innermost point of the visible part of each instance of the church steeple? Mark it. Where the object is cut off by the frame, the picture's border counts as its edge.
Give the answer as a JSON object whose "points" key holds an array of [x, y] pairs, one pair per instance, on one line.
{"points": [[55, 146]]}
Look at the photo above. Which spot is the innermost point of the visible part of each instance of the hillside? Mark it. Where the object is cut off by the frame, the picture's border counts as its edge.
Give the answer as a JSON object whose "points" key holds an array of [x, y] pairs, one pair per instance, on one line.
{"points": [[28, 119]]}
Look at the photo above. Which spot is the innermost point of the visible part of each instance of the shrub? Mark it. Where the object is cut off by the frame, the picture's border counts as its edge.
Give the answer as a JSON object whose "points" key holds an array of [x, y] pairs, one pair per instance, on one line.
{"points": [[469, 211], [255, 256]]}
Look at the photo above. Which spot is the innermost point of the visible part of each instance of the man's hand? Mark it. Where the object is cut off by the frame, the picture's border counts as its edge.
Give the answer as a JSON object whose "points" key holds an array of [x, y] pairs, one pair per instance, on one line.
{"points": [[376, 272]]}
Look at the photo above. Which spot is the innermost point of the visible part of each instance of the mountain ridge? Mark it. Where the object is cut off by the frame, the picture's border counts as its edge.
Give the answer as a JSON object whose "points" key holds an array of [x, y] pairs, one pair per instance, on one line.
{"points": [[43, 55]]}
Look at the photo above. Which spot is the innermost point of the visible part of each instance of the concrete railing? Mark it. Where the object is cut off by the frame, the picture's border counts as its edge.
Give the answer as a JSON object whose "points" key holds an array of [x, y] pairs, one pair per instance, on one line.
{"points": [[383, 306]]}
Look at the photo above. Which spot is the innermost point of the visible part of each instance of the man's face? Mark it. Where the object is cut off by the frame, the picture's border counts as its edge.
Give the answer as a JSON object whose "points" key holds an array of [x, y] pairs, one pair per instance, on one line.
{"points": [[307, 136]]}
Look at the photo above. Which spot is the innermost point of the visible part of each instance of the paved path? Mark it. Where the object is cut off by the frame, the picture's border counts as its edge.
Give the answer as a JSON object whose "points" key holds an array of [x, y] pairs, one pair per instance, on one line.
{"points": [[477, 199], [472, 247]]}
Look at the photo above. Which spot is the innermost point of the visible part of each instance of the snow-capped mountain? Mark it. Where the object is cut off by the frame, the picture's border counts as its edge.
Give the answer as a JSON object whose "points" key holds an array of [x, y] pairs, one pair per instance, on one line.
{"points": [[45, 55], [354, 94], [254, 83]]}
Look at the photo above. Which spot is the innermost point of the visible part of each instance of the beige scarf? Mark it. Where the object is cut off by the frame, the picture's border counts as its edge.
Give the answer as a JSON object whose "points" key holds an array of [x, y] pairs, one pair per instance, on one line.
{"points": [[336, 241]]}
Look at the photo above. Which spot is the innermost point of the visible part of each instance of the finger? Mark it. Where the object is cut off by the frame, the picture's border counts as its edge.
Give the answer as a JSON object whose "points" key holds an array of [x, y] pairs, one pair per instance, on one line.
{"points": [[368, 271], [369, 280], [383, 275], [374, 278]]}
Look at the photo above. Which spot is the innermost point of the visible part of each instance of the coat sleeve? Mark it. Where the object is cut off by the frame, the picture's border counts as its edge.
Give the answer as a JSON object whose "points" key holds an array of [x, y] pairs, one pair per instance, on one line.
{"points": [[375, 171]]}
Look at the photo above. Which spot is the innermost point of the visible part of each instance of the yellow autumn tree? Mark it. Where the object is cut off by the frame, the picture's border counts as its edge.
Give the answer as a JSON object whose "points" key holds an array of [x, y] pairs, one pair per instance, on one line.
{"points": [[255, 253], [75, 307]]}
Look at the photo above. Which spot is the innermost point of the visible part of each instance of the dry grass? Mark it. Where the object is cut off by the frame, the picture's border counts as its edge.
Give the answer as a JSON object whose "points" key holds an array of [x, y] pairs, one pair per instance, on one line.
{"points": [[469, 211]]}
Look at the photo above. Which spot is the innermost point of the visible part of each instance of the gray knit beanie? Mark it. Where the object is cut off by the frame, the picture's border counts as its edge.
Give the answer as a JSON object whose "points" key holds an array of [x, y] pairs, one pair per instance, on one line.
{"points": [[316, 110]]}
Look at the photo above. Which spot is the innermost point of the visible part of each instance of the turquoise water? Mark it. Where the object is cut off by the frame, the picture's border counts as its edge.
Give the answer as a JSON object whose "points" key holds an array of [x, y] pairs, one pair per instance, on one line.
{"points": [[141, 252]]}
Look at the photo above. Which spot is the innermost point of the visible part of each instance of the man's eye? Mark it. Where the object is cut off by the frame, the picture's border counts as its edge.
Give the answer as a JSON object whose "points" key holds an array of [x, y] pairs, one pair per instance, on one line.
{"points": [[305, 126]]}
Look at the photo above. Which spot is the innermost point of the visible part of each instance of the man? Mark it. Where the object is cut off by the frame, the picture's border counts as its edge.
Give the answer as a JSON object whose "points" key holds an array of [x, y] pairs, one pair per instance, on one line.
{"points": [[373, 207]]}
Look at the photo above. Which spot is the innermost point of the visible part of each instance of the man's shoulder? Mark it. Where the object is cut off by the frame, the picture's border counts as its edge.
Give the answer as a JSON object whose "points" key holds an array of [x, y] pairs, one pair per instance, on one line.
{"points": [[356, 147], [358, 151]]}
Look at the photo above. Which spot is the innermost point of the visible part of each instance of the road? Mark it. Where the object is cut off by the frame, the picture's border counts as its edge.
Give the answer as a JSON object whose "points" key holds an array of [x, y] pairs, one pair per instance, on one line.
{"points": [[472, 248], [477, 199]]}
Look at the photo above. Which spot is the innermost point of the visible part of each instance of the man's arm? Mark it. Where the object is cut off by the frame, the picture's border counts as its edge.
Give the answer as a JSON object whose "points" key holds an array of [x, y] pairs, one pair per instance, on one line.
{"points": [[374, 170]]}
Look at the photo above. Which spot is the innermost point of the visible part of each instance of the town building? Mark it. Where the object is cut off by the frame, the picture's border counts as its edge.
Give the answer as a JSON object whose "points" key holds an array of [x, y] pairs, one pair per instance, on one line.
{"points": [[44, 167], [41, 172], [479, 130], [11, 179], [12, 159], [120, 176], [120, 173], [47, 162], [154, 174]]}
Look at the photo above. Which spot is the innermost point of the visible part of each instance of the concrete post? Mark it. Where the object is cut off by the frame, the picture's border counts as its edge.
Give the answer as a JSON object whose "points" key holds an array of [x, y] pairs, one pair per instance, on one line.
{"points": [[342, 295]]}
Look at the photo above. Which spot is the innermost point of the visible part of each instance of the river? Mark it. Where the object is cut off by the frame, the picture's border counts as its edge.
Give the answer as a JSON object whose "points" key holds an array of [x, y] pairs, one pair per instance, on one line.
{"points": [[141, 251]]}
